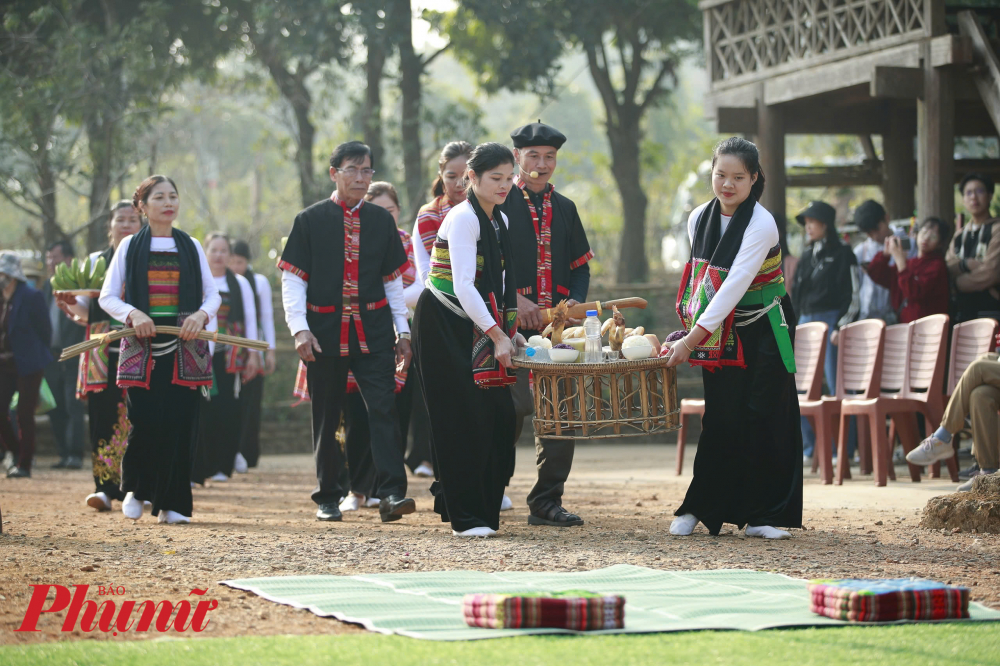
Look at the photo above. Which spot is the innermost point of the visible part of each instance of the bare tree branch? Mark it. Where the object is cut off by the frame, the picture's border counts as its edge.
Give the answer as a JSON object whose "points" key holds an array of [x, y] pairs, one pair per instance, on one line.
{"points": [[657, 90]]}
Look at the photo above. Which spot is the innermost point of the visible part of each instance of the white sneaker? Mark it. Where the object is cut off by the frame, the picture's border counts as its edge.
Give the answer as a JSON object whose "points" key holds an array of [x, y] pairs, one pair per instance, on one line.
{"points": [[218, 476], [240, 464], [424, 470], [372, 503], [684, 525], [99, 501], [131, 507], [351, 503], [506, 504], [475, 532], [8, 460], [173, 518], [930, 451]]}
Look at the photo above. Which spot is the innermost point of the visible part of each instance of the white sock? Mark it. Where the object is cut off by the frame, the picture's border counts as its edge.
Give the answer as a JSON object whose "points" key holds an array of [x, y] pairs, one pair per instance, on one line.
{"points": [[683, 525], [172, 517], [767, 532], [131, 507], [475, 532]]}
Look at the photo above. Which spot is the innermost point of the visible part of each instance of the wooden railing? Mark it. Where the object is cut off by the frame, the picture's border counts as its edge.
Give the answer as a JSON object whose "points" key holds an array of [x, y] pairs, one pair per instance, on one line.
{"points": [[746, 40]]}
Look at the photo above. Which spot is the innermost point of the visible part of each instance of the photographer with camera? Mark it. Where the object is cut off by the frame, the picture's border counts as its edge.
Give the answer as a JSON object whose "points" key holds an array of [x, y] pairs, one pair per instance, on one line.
{"points": [[874, 300], [918, 286]]}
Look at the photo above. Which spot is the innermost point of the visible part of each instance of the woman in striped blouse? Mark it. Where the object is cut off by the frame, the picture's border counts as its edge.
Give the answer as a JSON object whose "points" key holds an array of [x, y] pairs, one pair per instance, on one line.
{"points": [[160, 276]]}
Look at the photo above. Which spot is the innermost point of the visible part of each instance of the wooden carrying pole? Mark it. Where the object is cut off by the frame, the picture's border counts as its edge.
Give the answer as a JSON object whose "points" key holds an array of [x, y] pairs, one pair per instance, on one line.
{"points": [[579, 311], [94, 343]]}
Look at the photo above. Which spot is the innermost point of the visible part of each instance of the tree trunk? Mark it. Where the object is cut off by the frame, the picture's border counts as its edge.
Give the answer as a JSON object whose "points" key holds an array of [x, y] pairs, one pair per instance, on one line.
{"points": [[411, 67], [100, 143], [372, 112], [51, 231], [304, 151], [625, 136]]}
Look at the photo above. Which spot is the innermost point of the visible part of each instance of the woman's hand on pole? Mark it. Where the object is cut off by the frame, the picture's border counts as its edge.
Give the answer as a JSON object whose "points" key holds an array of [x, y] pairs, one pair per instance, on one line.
{"points": [[193, 325], [143, 325]]}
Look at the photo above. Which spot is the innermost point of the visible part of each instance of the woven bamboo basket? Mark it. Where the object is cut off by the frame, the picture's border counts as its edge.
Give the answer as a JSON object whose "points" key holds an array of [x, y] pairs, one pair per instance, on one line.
{"points": [[604, 400]]}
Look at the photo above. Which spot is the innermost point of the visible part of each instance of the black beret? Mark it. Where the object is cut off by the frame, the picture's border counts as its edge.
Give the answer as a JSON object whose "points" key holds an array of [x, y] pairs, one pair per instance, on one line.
{"points": [[537, 134]]}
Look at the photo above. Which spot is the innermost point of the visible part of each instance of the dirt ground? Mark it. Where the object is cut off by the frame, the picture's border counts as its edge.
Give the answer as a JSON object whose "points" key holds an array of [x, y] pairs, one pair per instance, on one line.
{"points": [[262, 524]]}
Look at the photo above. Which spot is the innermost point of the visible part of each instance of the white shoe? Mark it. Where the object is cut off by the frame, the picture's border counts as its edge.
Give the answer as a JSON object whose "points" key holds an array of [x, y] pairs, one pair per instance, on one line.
{"points": [[131, 507], [506, 504], [8, 460], [218, 476], [372, 503], [351, 503], [930, 451], [146, 504], [173, 518], [683, 525], [99, 501], [767, 532], [240, 464], [424, 470], [475, 532]]}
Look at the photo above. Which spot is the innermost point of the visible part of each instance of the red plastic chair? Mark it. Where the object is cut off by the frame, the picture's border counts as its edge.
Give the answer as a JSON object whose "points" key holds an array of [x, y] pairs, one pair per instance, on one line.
{"points": [[922, 383], [859, 371], [810, 352]]}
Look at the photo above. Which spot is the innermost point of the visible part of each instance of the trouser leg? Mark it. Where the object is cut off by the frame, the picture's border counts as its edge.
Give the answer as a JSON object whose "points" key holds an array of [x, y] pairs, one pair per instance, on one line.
{"points": [[983, 371], [554, 459], [986, 425], [327, 378], [524, 405], [358, 446], [27, 402], [58, 415], [375, 374], [75, 409]]}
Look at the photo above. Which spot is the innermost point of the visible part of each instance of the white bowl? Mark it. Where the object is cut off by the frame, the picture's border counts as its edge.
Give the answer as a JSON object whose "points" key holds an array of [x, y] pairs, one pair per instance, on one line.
{"points": [[563, 355], [638, 352]]}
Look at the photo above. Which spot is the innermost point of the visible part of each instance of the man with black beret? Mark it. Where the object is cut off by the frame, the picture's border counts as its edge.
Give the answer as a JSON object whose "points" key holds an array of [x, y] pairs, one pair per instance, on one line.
{"points": [[552, 254]]}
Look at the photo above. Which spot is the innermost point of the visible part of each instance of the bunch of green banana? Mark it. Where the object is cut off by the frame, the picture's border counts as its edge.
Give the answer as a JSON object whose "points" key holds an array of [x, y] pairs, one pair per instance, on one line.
{"points": [[77, 276]]}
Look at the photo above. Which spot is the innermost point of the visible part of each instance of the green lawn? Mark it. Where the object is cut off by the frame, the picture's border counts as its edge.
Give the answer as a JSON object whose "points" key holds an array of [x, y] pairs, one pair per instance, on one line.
{"points": [[923, 645]]}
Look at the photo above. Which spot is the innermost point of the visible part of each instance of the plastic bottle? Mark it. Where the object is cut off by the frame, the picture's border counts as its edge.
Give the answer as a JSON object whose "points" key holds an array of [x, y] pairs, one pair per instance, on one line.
{"points": [[592, 349]]}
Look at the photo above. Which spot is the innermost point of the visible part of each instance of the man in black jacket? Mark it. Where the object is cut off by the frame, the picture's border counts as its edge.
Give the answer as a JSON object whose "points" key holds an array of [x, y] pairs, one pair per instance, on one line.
{"points": [[825, 288], [67, 417]]}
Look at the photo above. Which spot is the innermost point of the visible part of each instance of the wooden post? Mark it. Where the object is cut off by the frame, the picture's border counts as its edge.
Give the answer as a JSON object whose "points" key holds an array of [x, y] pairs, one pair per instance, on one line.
{"points": [[936, 146], [771, 142], [899, 166]]}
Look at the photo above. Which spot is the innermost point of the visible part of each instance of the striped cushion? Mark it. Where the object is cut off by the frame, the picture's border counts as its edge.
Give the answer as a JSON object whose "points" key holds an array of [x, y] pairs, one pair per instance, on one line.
{"points": [[575, 610], [888, 600]]}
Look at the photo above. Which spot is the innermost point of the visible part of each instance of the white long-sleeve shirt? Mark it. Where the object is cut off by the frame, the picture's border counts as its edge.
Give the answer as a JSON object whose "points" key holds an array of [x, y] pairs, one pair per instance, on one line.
{"points": [[266, 314], [293, 298], [461, 229], [761, 235], [421, 257], [114, 281], [249, 307]]}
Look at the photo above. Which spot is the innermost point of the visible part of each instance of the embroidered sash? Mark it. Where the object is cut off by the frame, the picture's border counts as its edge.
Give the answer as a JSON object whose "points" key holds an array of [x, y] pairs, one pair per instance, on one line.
{"points": [[93, 374], [543, 235], [192, 364], [351, 301]]}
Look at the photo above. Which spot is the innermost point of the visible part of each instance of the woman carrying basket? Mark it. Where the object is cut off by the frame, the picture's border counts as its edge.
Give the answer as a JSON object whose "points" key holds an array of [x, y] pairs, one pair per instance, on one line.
{"points": [[737, 319], [464, 322], [160, 276]]}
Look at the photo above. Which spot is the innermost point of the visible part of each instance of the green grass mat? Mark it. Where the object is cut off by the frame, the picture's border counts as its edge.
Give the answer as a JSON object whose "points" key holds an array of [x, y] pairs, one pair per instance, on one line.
{"points": [[958, 644], [428, 604]]}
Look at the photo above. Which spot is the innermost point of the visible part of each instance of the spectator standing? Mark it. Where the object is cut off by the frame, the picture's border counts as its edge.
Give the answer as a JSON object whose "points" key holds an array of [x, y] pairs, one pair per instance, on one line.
{"points": [[25, 332], [874, 300], [67, 417], [973, 257], [918, 286], [825, 289]]}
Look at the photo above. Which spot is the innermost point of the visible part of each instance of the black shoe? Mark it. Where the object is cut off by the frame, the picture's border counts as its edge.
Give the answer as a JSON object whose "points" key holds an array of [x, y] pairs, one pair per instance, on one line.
{"points": [[967, 473], [554, 515], [61, 464], [16, 472], [395, 507], [74, 463], [329, 511]]}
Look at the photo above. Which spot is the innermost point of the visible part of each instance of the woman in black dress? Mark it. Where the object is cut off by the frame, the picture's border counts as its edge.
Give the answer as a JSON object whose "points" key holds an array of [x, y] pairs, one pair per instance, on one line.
{"points": [[738, 322]]}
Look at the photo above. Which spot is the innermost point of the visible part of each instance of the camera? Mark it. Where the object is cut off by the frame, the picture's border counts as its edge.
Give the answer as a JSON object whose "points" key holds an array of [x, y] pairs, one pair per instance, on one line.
{"points": [[904, 244]]}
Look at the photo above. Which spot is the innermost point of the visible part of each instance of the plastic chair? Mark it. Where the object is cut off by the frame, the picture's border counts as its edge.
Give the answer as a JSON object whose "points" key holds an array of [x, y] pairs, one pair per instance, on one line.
{"points": [[859, 371], [923, 379], [810, 352], [969, 341]]}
